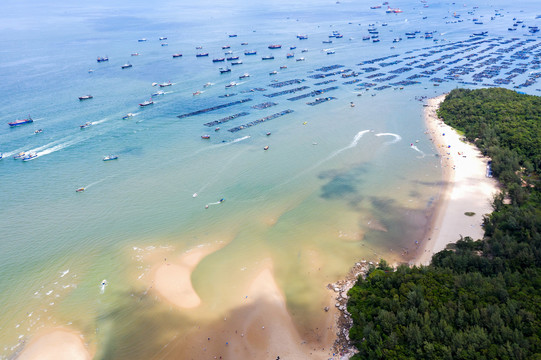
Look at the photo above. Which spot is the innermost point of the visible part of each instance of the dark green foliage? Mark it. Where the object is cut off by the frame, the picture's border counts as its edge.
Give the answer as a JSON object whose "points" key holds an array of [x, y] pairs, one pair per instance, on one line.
{"points": [[477, 299]]}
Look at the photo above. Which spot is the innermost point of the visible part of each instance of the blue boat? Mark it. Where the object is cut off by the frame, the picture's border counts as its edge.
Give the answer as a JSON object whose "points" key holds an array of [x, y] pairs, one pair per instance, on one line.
{"points": [[250, 52], [21, 122], [30, 156], [110, 157], [202, 54], [269, 57], [218, 60]]}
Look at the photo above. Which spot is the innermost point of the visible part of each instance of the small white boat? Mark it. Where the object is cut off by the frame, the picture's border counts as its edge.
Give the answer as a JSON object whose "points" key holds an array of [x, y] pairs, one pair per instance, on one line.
{"points": [[110, 157]]}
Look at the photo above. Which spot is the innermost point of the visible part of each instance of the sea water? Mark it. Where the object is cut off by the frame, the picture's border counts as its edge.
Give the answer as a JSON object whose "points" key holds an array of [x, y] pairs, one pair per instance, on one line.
{"points": [[339, 183]]}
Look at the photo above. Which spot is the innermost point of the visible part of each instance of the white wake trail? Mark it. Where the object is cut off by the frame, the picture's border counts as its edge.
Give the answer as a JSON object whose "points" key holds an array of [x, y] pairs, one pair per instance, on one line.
{"points": [[397, 137]]}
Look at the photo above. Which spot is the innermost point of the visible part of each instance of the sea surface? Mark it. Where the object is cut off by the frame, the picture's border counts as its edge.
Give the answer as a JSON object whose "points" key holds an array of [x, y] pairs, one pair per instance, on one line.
{"points": [[353, 177]]}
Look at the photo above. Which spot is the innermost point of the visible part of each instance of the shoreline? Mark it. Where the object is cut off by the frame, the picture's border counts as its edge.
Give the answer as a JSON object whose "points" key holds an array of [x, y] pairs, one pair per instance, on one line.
{"points": [[465, 187]]}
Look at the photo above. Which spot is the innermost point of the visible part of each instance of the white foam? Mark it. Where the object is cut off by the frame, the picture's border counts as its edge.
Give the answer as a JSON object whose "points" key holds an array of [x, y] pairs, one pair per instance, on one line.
{"points": [[397, 137], [64, 273], [419, 151]]}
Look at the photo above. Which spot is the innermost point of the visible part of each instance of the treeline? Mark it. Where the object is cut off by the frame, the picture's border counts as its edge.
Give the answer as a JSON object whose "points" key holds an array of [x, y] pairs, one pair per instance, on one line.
{"points": [[477, 299]]}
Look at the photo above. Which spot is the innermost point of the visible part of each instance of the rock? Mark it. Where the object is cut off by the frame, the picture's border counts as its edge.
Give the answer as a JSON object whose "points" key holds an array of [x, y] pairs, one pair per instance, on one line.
{"points": [[326, 308], [336, 289]]}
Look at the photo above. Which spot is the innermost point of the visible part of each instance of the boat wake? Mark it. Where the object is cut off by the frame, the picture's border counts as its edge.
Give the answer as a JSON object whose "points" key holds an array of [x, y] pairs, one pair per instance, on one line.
{"points": [[215, 175], [419, 151], [46, 151], [353, 144], [96, 182], [397, 137]]}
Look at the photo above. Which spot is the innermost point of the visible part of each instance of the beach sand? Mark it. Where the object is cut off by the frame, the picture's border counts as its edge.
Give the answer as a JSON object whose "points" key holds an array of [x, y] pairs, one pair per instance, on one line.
{"points": [[56, 344], [172, 279], [259, 326], [466, 187]]}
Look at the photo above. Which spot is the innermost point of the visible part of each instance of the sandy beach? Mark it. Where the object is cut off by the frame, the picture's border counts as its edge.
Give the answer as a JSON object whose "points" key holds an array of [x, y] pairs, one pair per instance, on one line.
{"points": [[466, 187], [259, 326], [56, 344]]}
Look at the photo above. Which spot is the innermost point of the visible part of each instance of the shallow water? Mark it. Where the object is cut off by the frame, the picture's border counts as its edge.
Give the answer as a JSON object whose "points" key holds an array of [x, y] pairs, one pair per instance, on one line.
{"points": [[345, 186]]}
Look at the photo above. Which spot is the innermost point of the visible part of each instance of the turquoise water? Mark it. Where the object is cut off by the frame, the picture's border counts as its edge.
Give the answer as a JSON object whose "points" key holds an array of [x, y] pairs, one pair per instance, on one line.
{"points": [[330, 189]]}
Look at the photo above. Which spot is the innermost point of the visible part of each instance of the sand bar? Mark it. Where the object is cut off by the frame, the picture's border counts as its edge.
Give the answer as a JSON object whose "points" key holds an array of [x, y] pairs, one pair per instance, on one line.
{"points": [[466, 187], [56, 344], [172, 279]]}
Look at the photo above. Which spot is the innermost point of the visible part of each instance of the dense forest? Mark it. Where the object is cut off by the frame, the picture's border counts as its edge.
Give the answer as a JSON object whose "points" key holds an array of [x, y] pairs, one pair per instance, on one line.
{"points": [[478, 299]]}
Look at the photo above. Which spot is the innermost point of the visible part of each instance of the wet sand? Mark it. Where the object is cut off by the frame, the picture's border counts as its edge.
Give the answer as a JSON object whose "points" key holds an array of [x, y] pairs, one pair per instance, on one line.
{"points": [[172, 279], [56, 344], [466, 187]]}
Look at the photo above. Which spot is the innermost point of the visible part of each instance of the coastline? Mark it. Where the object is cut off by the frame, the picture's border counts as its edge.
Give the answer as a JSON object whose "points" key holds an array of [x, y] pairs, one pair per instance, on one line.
{"points": [[465, 187]]}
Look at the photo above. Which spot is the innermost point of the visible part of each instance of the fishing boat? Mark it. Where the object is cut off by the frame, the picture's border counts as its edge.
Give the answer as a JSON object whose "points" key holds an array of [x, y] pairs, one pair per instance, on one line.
{"points": [[232, 35], [226, 70], [163, 38], [159, 93], [238, 62], [302, 37], [85, 97], [266, 147], [330, 52], [250, 52], [289, 56], [226, 47], [218, 60], [244, 43], [177, 55], [275, 46], [165, 44], [126, 66], [169, 83], [202, 54], [21, 121], [30, 156], [38, 131], [268, 134], [274, 72], [85, 125], [268, 57], [300, 59], [244, 76], [128, 115], [81, 189], [147, 102], [205, 136], [110, 157], [292, 47], [1, 156], [197, 93], [327, 41], [231, 58], [231, 84], [142, 40], [102, 59], [134, 54], [208, 84]]}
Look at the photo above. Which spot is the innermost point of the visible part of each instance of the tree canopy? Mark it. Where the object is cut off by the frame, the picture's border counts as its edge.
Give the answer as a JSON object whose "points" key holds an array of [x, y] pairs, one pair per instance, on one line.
{"points": [[477, 299]]}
